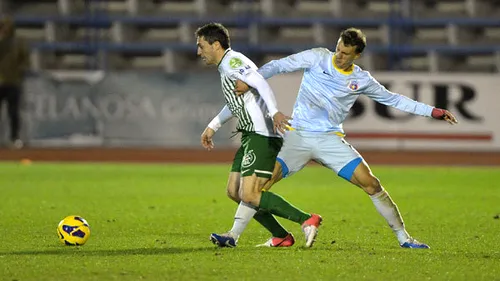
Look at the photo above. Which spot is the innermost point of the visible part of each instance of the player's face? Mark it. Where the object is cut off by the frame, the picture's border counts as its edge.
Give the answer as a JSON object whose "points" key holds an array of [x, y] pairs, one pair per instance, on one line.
{"points": [[206, 51], [345, 55]]}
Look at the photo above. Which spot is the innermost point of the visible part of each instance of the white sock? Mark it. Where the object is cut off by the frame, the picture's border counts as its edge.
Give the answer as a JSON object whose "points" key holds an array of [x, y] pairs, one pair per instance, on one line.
{"points": [[388, 209], [243, 215]]}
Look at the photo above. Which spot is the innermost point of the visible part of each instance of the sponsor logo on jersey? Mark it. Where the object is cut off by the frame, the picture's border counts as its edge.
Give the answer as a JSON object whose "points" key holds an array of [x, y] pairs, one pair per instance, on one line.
{"points": [[243, 70]]}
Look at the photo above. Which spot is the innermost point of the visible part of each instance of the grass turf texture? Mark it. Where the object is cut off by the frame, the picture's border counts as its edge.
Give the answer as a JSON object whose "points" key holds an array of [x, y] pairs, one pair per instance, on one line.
{"points": [[152, 222]]}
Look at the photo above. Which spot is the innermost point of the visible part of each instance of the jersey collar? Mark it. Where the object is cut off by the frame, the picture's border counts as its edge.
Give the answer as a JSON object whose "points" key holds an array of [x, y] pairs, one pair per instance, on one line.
{"points": [[223, 56], [341, 70]]}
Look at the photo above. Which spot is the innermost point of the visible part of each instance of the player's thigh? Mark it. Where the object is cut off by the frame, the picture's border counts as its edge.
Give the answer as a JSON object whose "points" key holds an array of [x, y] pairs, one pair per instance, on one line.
{"points": [[295, 153], [364, 178], [277, 176], [233, 186], [250, 187], [337, 154], [259, 155]]}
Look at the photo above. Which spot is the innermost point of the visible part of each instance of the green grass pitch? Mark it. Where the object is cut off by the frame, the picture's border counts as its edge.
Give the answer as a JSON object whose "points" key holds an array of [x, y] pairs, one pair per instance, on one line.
{"points": [[152, 222]]}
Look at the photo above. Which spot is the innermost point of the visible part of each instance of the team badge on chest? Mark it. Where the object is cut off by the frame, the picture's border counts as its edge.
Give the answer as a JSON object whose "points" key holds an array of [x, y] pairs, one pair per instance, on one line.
{"points": [[353, 85]]}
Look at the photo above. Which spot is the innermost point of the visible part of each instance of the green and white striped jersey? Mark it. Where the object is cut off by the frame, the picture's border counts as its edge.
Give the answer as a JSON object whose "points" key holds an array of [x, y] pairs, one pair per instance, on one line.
{"points": [[250, 109]]}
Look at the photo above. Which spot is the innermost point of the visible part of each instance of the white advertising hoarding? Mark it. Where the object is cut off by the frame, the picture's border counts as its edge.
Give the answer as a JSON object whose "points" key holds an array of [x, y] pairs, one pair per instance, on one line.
{"points": [[120, 109], [154, 109], [473, 98]]}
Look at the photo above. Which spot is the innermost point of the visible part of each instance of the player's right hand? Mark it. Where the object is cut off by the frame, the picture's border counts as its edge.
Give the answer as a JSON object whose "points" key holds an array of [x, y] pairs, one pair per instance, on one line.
{"points": [[281, 122], [206, 138], [240, 88]]}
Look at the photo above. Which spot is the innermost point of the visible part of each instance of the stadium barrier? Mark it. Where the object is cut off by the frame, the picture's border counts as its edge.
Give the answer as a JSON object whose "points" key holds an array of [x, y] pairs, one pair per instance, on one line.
{"points": [[153, 109]]}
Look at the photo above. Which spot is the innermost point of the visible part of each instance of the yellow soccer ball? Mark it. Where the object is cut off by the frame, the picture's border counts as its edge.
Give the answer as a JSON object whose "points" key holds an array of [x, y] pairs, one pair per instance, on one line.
{"points": [[73, 231]]}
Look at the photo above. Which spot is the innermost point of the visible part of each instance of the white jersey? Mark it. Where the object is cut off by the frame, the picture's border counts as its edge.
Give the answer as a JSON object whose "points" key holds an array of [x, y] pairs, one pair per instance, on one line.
{"points": [[250, 109]]}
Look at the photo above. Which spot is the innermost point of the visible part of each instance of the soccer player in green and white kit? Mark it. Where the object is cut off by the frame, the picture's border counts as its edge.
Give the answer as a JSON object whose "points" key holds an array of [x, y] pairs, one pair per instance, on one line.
{"points": [[253, 164]]}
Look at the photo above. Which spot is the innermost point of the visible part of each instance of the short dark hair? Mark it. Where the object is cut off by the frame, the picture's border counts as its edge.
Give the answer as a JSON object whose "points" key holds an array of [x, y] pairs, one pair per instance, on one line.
{"points": [[212, 32], [354, 37]]}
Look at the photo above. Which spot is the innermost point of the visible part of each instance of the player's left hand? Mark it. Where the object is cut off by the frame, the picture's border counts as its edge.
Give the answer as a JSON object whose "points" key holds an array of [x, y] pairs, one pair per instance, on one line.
{"points": [[281, 122], [240, 88], [443, 114]]}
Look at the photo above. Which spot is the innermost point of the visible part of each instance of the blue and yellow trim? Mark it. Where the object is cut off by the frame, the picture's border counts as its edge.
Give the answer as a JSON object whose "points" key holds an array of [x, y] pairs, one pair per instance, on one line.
{"points": [[289, 128]]}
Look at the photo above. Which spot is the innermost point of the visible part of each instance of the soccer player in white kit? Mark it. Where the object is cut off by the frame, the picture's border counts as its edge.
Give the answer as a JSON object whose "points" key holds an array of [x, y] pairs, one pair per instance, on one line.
{"points": [[330, 85]]}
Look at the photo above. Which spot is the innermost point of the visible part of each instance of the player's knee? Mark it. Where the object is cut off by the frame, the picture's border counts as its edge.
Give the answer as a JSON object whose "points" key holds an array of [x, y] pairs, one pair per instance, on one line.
{"points": [[232, 191], [372, 186], [248, 198], [233, 195]]}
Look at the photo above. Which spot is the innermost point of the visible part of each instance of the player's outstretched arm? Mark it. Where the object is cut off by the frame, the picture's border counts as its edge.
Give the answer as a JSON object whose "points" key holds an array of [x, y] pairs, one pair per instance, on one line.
{"points": [[281, 121], [443, 114], [256, 81], [379, 93], [295, 62], [291, 63]]}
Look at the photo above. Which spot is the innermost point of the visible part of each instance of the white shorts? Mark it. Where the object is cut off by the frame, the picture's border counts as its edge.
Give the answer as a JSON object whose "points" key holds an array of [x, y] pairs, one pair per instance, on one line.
{"points": [[327, 149]]}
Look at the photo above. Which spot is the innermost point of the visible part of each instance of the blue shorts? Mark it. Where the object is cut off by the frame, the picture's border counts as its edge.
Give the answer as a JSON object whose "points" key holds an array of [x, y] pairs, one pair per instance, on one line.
{"points": [[327, 149]]}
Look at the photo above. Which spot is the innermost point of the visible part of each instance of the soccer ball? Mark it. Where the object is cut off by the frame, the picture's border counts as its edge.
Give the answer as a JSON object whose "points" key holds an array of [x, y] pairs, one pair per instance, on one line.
{"points": [[73, 231]]}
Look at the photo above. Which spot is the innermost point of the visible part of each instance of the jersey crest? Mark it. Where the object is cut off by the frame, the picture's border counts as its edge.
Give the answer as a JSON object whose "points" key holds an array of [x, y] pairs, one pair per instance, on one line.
{"points": [[248, 159], [353, 85]]}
